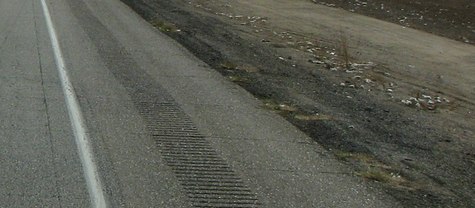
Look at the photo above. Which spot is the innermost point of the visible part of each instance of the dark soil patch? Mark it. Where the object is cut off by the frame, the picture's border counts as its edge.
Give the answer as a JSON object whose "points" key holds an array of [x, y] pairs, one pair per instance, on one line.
{"points": [[454, 19]]}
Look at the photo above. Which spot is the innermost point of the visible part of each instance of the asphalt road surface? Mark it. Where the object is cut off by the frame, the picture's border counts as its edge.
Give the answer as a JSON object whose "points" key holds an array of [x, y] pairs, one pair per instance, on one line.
{"points": [[99, 109]]}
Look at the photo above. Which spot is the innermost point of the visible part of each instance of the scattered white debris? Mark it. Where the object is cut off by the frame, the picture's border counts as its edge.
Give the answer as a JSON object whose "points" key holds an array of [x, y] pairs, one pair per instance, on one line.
{"points": [[364, 65], [425, 101], [427, 97], [438, 99], [389, 90], [406, 102], [403, 19], [410, 101], [316, 61], [368, 81], [395, 175]]}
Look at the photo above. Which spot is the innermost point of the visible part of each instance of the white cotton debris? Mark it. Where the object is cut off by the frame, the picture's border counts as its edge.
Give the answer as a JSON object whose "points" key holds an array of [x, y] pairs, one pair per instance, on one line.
{"points": [[426, 101], [427, 97]]}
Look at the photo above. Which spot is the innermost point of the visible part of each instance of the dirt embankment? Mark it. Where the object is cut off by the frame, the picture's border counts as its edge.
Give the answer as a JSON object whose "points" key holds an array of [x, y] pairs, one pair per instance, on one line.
{"points": [[453, 19], [395, 103]]}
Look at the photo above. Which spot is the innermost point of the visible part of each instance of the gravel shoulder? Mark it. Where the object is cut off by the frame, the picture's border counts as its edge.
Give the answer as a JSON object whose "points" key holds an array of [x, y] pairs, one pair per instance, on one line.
{"points": [[394, 103]]}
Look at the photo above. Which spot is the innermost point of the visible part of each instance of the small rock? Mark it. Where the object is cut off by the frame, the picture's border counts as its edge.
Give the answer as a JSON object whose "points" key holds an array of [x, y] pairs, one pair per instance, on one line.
{"points": [[406, 102], [438, 99], [316, 61], [427, 97]]}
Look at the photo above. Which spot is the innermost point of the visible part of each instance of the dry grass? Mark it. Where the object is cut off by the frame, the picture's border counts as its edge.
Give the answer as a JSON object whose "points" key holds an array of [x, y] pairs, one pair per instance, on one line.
{"points": [[279, 107], [238, 79], [248, 68], [383, 176], [344, 50], [366, 158], [379, 79], [164, 26], [315, 117], [228, 65], [372, 169]]}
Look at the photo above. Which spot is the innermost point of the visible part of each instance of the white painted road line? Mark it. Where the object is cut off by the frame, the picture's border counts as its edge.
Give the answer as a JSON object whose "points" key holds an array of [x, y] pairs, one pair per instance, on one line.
{"points": [[82, 138]]}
